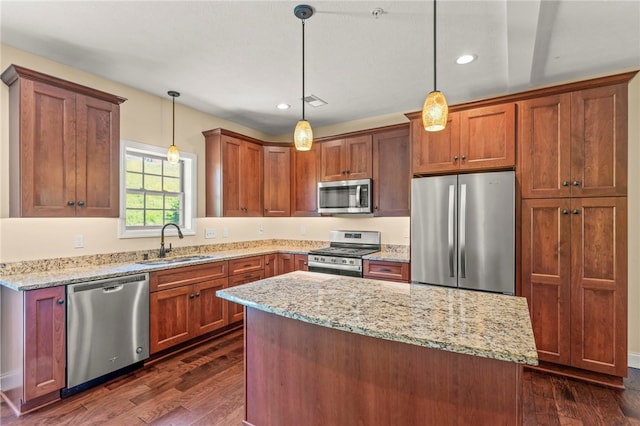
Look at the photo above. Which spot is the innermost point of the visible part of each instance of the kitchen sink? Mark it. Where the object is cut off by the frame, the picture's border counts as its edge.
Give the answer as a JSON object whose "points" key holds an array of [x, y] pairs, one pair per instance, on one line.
{"points": [[172, 260]]}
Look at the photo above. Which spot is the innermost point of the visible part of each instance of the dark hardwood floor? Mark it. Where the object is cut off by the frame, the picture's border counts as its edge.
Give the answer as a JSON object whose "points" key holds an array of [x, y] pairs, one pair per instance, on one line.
{"points": [[203, 385]]}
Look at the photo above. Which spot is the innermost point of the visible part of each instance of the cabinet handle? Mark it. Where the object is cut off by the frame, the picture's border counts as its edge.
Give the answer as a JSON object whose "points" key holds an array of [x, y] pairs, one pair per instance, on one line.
{"points": [[455, 158], [267, 263], [266, 210], [248, 276], [565, 183], [348, 172], [60, 301], [385, 270], [198, 294], [305, 263], [576, 211], [71, 203], [565, 211], [81, 203], [576, 183], [463, 157], [191, 296]]}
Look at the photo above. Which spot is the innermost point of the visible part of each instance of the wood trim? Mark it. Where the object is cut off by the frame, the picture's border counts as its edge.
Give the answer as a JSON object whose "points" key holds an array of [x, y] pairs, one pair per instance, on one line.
{"points": [[537, 93], [576, 373], [224, 132], [11, 74]]}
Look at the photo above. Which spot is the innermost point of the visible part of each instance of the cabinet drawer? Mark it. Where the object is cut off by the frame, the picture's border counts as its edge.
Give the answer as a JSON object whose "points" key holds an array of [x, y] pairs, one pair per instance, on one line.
{"points": [[247, 264], [245, 278], [393, 271], [176, 277]]}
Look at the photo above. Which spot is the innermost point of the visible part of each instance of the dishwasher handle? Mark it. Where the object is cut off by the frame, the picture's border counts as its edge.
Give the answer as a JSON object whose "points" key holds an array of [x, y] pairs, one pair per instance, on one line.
{"points": [[113, 288]]}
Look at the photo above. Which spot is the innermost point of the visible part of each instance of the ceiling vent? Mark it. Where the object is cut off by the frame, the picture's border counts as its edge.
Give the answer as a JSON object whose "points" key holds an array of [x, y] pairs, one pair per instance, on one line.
{"points": [[314, 101]]}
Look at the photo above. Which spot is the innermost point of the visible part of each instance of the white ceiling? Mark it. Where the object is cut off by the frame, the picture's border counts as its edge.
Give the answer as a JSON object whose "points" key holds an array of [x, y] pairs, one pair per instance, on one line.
{"points": [[238, 59]]}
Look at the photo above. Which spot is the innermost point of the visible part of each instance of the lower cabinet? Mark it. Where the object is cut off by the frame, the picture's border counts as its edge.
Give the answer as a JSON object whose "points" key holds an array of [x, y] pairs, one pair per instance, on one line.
{"points": [[270, 265], [289, 262], [385, 270], [183, 303], [243, 271], [300, 262]]}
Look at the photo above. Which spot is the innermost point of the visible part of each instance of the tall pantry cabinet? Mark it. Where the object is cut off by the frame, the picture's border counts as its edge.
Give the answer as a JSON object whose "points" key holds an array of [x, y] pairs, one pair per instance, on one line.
{"points": [[573, 181]]}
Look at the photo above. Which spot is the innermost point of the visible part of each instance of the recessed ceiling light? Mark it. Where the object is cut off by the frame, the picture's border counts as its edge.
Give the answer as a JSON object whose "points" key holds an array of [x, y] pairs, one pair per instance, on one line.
{"points": [[465, 59], [283, 106]]}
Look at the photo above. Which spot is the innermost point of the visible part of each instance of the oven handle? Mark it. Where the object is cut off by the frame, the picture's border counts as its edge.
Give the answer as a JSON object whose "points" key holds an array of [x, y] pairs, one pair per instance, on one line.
{"points": [[313, 264]]}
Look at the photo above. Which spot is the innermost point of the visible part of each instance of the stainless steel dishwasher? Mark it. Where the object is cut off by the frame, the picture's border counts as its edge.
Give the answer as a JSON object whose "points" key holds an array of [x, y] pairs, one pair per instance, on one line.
{"points": [[107, 329]]}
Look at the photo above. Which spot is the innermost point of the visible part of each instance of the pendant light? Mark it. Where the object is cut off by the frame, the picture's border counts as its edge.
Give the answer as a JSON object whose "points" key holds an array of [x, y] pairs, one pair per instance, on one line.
{"points": [[173, 155], [303, 134], [435, 109]]}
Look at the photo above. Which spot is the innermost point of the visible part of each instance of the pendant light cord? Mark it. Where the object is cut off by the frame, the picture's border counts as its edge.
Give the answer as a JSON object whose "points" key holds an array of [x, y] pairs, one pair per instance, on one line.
{"points": [[303, 70], [173, 136], [434, 46]]}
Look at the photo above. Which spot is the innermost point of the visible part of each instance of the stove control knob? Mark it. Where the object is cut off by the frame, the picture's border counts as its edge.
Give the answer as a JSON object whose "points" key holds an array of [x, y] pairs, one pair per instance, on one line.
{"points": [[353, 262]]}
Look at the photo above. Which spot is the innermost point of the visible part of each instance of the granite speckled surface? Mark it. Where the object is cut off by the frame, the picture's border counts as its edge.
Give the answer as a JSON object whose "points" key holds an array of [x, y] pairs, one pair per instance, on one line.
{"points": [[481, 324]]}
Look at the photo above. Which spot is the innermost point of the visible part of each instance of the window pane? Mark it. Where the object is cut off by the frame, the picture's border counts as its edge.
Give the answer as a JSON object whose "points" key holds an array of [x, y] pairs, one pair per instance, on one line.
{"points": [[153, 183], [172, 216], [135, 201], [153, 218], [171, 184], [134, 181], [153, 166], [135, 218], [172, 169], [154, 201], [134, 163]]}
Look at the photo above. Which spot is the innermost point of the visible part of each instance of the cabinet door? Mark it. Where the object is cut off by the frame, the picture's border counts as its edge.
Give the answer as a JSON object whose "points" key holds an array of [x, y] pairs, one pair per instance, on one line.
{"points": [[391, 175], [435, 152], [332, 161], [235, 310], [305, 174], [47, 152], [170, 320], [301, 263], [209, 311], [277, 181], [232, 170], [251, 179], [270, 265], [545, 146], [286, 263], [358, 160], [385, 270], [546, 275], [488, 137], [97, 157], [44, 341], [599, 284], [599, 142]]}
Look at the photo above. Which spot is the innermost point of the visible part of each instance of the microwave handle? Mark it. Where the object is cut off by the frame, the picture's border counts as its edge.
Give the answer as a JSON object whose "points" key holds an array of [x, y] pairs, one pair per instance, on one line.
{"points": [[358, 195]]}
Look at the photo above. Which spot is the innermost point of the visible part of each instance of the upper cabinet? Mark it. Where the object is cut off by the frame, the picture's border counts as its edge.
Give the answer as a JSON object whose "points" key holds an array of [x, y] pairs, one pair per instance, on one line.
{"points": [[234, 178], [474, 139], [277, 181], [64, 147], [305, 174], [575, 144], [348, 158], [391, 175]]}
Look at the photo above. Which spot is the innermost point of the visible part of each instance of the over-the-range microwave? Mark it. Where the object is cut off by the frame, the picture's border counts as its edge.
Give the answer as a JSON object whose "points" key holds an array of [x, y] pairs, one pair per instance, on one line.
{"points": [[345, 196]]}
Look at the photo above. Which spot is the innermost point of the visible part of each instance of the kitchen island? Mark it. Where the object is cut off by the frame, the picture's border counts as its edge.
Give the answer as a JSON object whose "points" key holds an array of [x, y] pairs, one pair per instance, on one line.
{"points": [[324, 349]]}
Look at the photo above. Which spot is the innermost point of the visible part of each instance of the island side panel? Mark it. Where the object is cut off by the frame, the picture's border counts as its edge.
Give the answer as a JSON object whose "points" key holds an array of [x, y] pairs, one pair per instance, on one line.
{"points": [[301, 373]]}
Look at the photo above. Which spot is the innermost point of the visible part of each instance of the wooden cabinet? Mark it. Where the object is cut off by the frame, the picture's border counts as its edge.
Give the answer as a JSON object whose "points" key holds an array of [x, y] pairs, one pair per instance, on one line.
{"points": [[300, 262], [475, 139], [183, 303], [575, 144], [385, 270], [270, 265], [277, 181], [286, 263], [349, 158], [234, 174], [64, 147], [574, 254], [305, 174], [391, 175], [243, 271]]}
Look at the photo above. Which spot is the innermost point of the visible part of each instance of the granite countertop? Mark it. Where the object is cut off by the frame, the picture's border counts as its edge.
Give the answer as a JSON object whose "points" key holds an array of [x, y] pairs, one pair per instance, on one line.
{"points": [[470, 322], [390, 256]]}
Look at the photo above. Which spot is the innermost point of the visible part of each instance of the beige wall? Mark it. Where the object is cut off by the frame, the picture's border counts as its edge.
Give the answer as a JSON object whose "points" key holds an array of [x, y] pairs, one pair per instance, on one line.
{"points": [[634, 221]]}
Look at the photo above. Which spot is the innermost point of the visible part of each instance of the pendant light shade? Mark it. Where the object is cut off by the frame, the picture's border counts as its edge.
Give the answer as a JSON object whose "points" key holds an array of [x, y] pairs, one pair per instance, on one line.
{"points": [[173, 154], [303, 134], [435, 110]]}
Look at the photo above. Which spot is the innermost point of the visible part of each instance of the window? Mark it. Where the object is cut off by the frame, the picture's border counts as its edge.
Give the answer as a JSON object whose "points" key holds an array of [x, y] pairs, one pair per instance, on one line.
{"points": [[154, 192]]}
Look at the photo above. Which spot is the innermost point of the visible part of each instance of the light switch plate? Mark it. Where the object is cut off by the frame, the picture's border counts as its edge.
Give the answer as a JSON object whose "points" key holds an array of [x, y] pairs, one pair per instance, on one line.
{"points": [[78, 241], [225, 232]]}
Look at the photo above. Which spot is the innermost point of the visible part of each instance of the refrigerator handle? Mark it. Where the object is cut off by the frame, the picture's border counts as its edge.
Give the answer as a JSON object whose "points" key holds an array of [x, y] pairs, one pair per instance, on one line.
{"points": [[463, 230], [450, 230]]}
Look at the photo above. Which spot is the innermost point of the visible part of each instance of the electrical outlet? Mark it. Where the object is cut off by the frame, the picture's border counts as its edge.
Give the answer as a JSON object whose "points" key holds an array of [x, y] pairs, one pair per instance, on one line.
{"points": [[225, 232], [210, 233], [260, 229], [303, 230], [78, 241]]}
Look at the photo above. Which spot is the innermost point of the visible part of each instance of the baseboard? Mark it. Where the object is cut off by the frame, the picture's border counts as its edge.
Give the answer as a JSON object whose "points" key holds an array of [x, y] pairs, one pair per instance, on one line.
{"points": [[633, 360]]}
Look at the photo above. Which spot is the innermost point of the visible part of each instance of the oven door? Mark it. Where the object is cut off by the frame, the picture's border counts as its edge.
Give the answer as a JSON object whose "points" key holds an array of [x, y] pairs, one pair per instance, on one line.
{"points": [[348, 196]]}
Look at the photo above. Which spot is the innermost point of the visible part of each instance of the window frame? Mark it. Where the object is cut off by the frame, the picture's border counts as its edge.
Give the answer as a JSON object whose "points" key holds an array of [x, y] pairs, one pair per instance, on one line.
{"points": [[190, 174]]}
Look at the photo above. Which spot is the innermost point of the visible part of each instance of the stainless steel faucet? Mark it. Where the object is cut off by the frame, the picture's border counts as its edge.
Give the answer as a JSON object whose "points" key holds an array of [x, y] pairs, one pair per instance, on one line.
{"points": [[164, 251]]}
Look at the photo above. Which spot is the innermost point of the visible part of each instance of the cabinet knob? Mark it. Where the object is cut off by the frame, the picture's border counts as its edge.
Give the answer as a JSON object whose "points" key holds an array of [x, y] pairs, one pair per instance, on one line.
{"points": [[565, 211], [565, 183], [81, 203], [198, 294], [305, 263], [60, 301], [463, 157], [576, 211], [576, 183], [191, 296], [455, 158], [266, 210], [71, 203]]}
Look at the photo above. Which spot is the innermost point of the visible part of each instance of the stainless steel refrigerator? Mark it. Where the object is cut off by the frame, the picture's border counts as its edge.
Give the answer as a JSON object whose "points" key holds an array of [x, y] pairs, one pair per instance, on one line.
{"points": [[463, 231]]}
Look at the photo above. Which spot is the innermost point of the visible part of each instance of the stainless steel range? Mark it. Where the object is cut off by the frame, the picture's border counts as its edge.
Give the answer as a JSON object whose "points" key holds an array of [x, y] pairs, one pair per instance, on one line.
{"points": [[344, 254]]}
